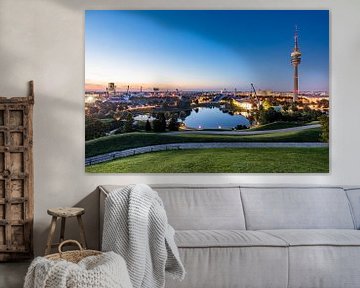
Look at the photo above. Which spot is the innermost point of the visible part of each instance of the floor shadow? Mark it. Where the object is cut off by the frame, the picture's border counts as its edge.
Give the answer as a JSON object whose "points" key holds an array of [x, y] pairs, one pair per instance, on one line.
{"points": [[12, 274]]}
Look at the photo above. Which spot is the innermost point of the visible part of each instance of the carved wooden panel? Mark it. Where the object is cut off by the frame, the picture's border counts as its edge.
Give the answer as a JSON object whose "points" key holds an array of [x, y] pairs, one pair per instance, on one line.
{"points": [[16, 177]]}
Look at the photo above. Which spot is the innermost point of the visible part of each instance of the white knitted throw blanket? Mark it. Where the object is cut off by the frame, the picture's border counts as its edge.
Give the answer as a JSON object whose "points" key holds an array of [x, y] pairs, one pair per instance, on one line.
{"points": [[103, 271], [136, 227]]}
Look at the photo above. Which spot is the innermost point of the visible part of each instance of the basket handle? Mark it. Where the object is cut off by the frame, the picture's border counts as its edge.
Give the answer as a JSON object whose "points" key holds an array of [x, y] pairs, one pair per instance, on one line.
{"points": [[69, 241]]}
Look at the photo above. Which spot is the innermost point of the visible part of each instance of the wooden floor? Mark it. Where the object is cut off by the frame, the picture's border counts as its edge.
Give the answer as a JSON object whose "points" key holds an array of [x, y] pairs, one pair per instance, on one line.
{"points": [[12, 274]]}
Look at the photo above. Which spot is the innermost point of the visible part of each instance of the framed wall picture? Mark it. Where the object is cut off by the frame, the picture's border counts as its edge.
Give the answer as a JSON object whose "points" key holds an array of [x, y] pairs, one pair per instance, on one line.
{"points": [[197, 91]]}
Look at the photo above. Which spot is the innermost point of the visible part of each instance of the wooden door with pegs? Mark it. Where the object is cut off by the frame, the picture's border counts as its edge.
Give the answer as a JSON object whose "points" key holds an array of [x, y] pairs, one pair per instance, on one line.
{"points": [[16, 177]]}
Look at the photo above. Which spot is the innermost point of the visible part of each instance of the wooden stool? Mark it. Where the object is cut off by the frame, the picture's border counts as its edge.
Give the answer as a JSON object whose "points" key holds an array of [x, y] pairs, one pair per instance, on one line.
{"points": [[64, 213]]}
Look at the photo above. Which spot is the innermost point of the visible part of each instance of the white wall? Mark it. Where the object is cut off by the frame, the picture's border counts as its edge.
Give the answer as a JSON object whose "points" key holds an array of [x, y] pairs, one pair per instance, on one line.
{"points": [[43, 40]]}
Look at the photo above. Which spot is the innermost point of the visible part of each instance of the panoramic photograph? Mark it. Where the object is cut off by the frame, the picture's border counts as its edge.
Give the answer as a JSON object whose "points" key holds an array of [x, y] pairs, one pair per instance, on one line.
{"points": [[217, 91]]}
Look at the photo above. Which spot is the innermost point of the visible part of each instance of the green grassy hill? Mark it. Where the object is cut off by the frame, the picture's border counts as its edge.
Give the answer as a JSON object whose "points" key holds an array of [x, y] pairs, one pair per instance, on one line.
{"points": [[139, 139], [226, 160]]}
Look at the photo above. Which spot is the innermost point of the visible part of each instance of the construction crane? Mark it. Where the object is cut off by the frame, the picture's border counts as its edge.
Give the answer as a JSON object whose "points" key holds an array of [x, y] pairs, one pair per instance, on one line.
{"points": [[253, 90]]}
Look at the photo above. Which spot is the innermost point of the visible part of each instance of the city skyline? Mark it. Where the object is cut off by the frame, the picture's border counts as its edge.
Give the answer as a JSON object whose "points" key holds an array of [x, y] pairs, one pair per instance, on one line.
{"points": [[205, 50]]}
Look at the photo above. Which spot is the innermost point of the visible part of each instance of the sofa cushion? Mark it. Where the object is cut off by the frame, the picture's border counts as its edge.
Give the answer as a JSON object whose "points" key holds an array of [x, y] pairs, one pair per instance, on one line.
{"points": [[223, 267], [324, 266], [322, 258], [204, 208], [315, 237], [226, 238], [296, 208]]}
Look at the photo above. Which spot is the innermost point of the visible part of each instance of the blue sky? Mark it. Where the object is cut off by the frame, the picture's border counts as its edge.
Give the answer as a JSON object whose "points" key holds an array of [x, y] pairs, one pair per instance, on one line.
{"points": [[196, 49]]}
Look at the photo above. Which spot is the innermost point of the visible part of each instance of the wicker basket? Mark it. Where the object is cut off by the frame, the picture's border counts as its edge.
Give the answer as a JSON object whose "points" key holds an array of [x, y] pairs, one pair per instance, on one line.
{"points": [[72, 256]]}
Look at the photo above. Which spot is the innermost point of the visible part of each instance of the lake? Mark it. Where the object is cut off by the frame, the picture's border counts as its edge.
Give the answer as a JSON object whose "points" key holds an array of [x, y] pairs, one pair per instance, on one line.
{"points": [[213, 118]]}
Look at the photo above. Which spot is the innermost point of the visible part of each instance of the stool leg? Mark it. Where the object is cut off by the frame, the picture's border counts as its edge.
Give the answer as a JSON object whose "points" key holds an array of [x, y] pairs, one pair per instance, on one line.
{"points": [[62, 230], [51, 235], [82, 232]]}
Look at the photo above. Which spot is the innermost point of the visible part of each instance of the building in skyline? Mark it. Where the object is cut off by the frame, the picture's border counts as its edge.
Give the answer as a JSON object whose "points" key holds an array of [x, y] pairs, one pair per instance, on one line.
{"points": [[295, 61], [111, 89]]}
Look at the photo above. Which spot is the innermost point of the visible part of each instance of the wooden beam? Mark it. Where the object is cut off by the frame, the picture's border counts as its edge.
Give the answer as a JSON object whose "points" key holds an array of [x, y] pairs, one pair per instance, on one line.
{"points": [[31, 92]]}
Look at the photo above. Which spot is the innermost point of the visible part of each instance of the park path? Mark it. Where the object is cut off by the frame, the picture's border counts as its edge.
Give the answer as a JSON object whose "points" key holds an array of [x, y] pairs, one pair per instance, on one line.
{"points": [[292, 129], [183, 146]]}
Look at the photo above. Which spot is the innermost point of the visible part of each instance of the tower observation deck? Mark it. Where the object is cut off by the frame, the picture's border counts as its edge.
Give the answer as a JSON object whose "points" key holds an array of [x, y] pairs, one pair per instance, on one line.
{"points": [[295, 61]]}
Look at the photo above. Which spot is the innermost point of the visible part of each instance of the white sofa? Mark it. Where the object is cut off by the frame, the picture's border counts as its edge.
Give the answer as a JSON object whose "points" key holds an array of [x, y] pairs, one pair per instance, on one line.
{"points": [[242, 236]]}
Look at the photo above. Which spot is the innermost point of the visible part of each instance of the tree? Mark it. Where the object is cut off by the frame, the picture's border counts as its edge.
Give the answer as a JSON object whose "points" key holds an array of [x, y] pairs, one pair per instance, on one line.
{"points": [[307, 109], [148, 126], [286, 106], [159, 124], [162, 121], [269, 116], [173, 124], [128, 123], [184, 103], [294, 107], [324, 103], [94, 128], [241, 127], [266, 104], [324, 122]]}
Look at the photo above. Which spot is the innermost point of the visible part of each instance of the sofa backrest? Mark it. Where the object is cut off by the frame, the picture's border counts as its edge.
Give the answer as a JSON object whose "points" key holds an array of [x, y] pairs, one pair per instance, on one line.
{"points": [[195, 207], [203, 208], [296, 208], [256, 208]]}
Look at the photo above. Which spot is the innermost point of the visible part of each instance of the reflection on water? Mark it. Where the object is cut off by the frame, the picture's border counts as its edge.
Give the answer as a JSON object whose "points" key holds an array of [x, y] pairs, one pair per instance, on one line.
{"points": [[213, 118]]}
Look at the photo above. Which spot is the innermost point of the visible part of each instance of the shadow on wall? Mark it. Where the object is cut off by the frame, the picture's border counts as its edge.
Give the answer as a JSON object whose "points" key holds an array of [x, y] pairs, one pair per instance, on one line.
{"points": [[91, 218], [57, 158]]}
